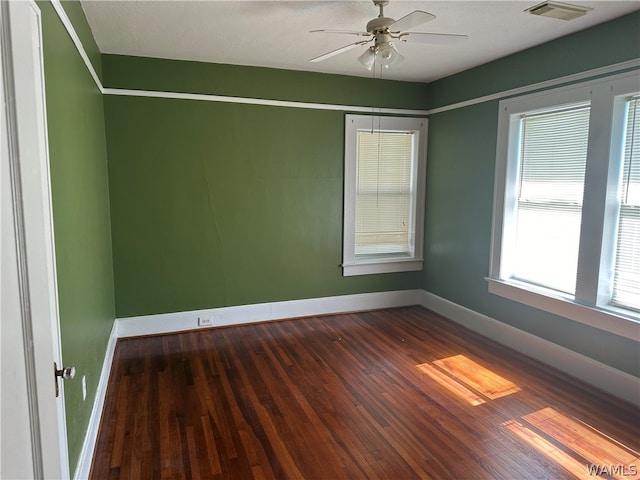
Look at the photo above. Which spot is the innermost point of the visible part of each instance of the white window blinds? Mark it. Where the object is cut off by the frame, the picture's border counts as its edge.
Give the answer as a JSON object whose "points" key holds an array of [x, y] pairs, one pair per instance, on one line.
{"points": [[626, 281], [553, 152], [384, 193]]}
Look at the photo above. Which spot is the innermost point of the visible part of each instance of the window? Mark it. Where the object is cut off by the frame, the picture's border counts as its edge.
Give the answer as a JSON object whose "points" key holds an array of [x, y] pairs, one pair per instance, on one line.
{"points": [[566, 227], [626, 279], [553, 157], [384, 194]]}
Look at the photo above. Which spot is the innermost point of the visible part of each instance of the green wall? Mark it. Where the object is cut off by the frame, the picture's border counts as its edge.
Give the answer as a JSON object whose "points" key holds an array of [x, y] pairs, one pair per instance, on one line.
{"points": [[218, 204], [208, 204], [460, 177], [79, 185]]}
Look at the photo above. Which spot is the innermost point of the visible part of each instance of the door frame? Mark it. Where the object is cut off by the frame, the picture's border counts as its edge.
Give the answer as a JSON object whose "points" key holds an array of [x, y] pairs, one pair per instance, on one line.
{"points": [[34, 319]]}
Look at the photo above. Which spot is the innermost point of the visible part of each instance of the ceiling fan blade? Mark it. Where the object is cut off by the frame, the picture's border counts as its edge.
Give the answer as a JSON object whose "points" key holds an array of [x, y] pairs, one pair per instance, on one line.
{"points": [[433, 38], [344, 32], [338, 51], [415, 18]]}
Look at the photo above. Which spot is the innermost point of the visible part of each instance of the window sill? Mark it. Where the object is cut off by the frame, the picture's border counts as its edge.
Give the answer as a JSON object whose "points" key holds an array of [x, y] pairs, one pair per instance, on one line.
{"points": [[603, 319], [369, 267]]}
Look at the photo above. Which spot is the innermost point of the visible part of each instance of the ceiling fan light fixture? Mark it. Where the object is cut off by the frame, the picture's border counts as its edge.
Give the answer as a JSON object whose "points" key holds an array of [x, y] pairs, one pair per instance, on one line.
{"points": [[399, 59], [388, 55], [367, 58]]}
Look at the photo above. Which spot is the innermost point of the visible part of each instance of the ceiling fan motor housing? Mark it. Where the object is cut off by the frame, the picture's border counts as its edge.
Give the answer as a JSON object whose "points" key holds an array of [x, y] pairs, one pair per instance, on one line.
{"points": [[379, 24]]}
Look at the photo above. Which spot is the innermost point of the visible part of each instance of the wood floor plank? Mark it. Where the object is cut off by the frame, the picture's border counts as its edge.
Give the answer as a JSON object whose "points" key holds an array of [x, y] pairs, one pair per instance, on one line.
{"points": [[389, 394]]}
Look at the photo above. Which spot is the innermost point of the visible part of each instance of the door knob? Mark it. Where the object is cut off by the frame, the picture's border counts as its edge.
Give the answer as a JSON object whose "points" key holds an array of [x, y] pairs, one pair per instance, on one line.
{"points": [[66, 373]]}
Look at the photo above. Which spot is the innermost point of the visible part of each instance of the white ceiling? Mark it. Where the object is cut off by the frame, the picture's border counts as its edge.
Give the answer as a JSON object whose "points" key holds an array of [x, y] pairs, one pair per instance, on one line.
{"points": [[276, 33]]}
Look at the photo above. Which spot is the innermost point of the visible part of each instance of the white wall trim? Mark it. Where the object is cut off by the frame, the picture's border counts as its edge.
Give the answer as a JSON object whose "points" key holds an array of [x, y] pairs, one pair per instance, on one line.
{"points": [[83, 468], [57, 5], [601, 376], [621, 67], [261, 101], [261, 312]]}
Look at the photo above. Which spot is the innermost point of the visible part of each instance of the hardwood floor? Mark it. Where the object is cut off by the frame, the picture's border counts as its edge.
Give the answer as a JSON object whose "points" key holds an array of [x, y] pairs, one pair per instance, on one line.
{"points": [[396, 394]]}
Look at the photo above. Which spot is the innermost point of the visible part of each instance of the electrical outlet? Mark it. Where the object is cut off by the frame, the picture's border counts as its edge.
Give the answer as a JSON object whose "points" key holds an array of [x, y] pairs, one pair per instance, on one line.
{"points": [[84, 388], [204, 321]]}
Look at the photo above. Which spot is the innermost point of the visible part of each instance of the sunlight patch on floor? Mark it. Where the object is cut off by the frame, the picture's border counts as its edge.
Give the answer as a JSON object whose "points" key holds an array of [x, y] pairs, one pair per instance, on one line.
{"points": [[545, 447], [583, 439], [468, 380], [476, 376], [575, 445], [451, 384]]}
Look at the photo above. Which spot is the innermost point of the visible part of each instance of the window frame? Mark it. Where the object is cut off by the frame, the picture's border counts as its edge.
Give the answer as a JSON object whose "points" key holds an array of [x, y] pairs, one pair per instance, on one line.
{"points": [[540, 204], [352, 264], [591, 303]]}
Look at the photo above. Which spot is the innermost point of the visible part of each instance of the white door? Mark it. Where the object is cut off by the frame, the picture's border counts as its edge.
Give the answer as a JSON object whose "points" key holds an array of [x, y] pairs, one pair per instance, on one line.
{"points": [[32, 437]]}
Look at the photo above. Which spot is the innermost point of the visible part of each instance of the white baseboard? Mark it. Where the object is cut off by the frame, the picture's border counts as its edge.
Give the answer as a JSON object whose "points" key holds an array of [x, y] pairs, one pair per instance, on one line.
{"points": [[237, 315], [83, 468], [601, 376]]}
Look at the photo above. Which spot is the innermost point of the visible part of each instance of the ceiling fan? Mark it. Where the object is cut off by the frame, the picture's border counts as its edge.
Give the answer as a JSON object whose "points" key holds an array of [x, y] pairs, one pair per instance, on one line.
{"points": [[384, 32]]}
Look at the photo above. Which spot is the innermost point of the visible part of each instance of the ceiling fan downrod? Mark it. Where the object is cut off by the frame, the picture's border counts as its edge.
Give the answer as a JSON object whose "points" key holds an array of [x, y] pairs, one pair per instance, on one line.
{"points": [[381, 4]]}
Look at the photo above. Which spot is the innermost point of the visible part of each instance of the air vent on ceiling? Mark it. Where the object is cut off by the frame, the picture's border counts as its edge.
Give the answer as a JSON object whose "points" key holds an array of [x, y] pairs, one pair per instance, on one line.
{"points": [[561, 11]]}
